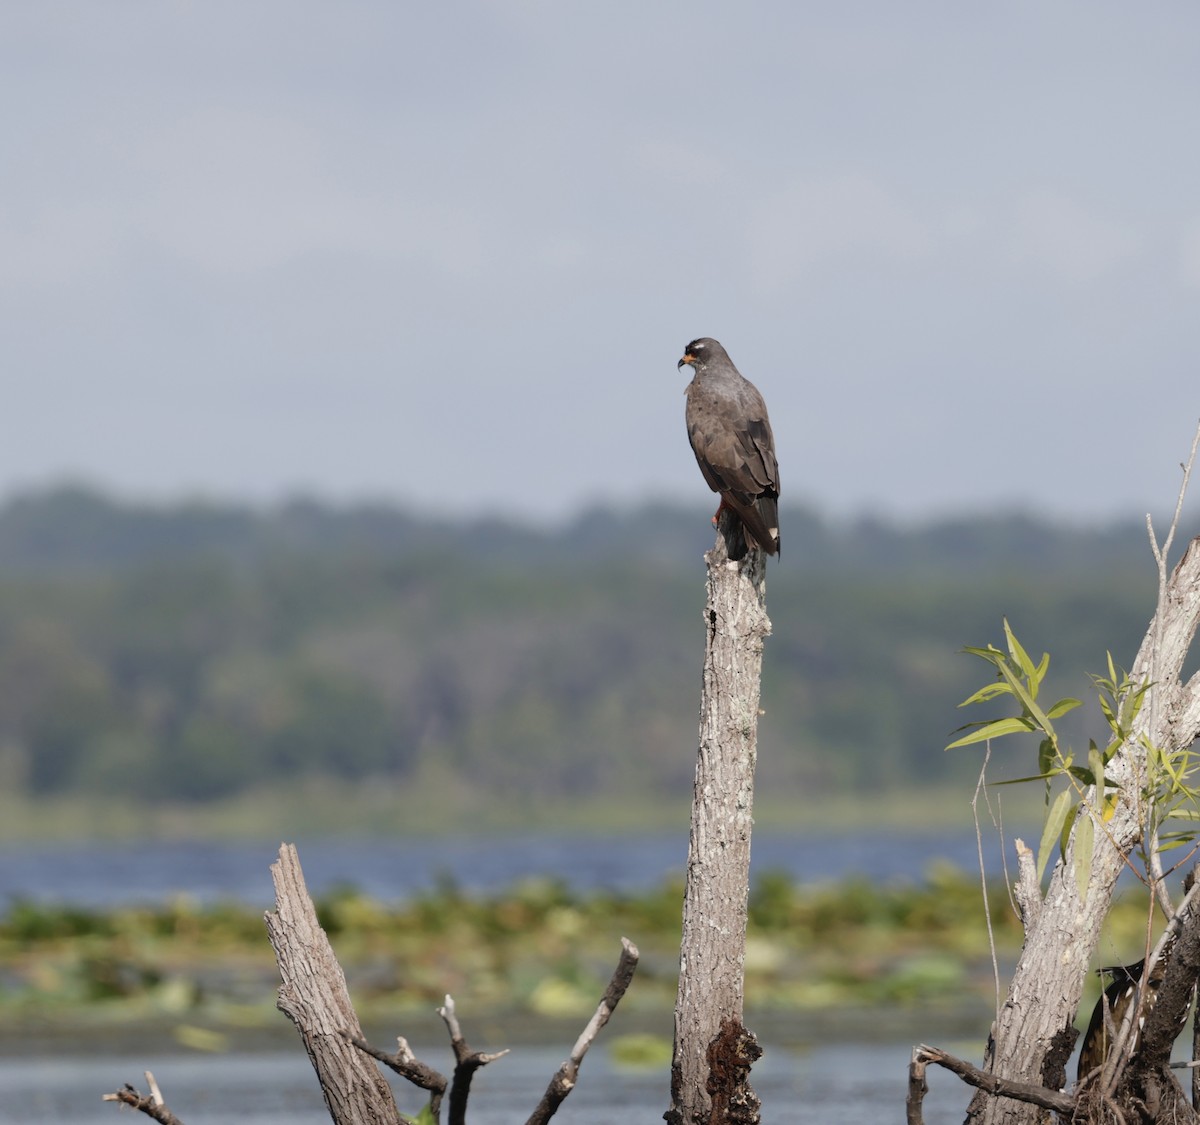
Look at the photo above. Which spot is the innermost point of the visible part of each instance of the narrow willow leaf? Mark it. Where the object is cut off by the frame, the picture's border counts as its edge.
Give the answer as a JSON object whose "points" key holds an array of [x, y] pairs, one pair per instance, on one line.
{"points": [[1022, 780], [1085, 837], [1055, 819], [1136, 699], [1068, 825], [1097, 767], [1042, 668], [996, 729], [1046, 756], [1110, 716], [1027, 700], [990, 654], [989, 691], [1062, 707], [1110, 806], [1020, 656]]}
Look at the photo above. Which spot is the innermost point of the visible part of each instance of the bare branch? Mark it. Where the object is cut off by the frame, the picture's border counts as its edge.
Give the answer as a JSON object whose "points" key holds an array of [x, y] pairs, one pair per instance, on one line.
{"points": [[981, 787], [466, 1062], [565, 1077], [917, 1089], [1153, 851], [408, 1066], [151, 1104], [997, 1087], [1028, 891]]}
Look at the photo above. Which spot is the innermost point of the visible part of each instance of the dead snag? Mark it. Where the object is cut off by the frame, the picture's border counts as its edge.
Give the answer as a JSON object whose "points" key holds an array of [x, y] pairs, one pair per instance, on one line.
{"points": [[713, 949]]}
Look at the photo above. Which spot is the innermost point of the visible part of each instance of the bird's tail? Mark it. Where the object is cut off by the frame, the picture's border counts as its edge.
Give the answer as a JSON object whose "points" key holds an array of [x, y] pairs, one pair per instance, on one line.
{"points": [[761, 521]]}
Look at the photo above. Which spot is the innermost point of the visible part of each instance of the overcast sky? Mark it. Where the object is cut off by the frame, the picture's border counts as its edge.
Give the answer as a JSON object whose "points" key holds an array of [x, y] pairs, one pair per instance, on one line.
{"points": [[449, 253]]}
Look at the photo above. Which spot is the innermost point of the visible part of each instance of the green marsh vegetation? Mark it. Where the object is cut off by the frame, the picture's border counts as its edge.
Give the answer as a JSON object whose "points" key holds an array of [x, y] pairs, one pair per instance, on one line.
{"points": [[537, 950]]}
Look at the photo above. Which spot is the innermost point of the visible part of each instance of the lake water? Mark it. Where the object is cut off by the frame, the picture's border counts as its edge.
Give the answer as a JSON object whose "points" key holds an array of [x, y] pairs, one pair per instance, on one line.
{"points": [[106, 874], [840, 1085], [832, 1083]]}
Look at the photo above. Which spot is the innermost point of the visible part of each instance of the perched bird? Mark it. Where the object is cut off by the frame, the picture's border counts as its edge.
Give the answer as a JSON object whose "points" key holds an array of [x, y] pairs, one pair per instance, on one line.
{"points": [[731, 437], [1117, 997]]}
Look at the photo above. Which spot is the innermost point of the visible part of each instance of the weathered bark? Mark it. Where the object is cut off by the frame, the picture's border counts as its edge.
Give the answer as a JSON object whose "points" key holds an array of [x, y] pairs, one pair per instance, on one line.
{"points": [[713, 1050], [1032, 1038], [314, 997]]}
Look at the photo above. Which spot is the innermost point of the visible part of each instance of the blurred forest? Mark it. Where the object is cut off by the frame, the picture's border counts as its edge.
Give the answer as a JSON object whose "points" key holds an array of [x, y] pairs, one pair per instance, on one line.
{"points": [[196, 651]]}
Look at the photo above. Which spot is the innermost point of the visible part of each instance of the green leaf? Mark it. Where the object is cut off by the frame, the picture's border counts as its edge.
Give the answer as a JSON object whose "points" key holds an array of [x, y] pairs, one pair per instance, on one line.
{"points": [[1027, 700], [1110, 716], [425, 1117], [1062, 707], [995, 729], [1085, 836], [1046, 756], [1097, 764], [988, 691], [1021, 780], [1052, 829], [1020, 656], [991, 654]]}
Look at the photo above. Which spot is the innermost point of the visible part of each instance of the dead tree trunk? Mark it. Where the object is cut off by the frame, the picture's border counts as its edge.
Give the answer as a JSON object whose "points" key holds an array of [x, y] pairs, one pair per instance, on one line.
{"points": [[713, 1051], [1032, 1038], [314, 997]]}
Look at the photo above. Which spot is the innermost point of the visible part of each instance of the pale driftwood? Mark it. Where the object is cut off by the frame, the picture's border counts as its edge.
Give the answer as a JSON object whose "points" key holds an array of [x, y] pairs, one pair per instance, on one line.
{"points": [[708, 1012], [566, 1076], [151, 1104], [314, 997], [1033, 1035]]}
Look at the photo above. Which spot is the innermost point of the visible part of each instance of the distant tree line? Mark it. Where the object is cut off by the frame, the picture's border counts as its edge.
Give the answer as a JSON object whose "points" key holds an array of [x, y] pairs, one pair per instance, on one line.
{"points": [[201, 648]]}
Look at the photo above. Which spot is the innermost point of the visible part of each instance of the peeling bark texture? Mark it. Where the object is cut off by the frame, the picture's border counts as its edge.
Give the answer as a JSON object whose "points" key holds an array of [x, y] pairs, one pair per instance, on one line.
{"points": [[730, 1057], [314, 997], [1029, 1037], [712, 953]]}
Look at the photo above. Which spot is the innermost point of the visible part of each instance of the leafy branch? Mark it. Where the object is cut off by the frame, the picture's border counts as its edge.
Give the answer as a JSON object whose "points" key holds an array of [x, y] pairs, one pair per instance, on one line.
{"points": [[1073, 808]]}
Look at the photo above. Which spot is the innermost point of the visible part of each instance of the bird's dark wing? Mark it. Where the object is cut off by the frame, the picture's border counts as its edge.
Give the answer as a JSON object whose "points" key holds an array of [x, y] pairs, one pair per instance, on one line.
{"points": [[735, 449]]}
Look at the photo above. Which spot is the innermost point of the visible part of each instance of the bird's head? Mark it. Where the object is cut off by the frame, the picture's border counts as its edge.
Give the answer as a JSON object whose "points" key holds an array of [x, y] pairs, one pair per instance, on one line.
{"points": [[699, 352]]}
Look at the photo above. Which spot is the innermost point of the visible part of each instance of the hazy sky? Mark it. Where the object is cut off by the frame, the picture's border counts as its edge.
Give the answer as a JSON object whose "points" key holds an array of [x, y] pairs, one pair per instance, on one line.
{"points": [[449, 253]]}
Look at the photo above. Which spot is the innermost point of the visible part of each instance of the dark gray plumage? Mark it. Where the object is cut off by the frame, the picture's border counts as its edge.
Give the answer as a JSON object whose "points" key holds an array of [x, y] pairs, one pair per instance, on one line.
{"points": [[731, 436]]}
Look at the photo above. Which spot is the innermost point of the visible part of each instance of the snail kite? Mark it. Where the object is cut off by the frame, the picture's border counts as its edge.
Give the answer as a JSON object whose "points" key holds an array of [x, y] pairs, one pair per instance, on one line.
{"points": [[731, 437]]}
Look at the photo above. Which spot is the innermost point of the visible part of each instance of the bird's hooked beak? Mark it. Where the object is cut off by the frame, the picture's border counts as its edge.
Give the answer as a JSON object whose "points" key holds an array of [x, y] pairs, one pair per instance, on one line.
{"points": [[687, 358]]}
